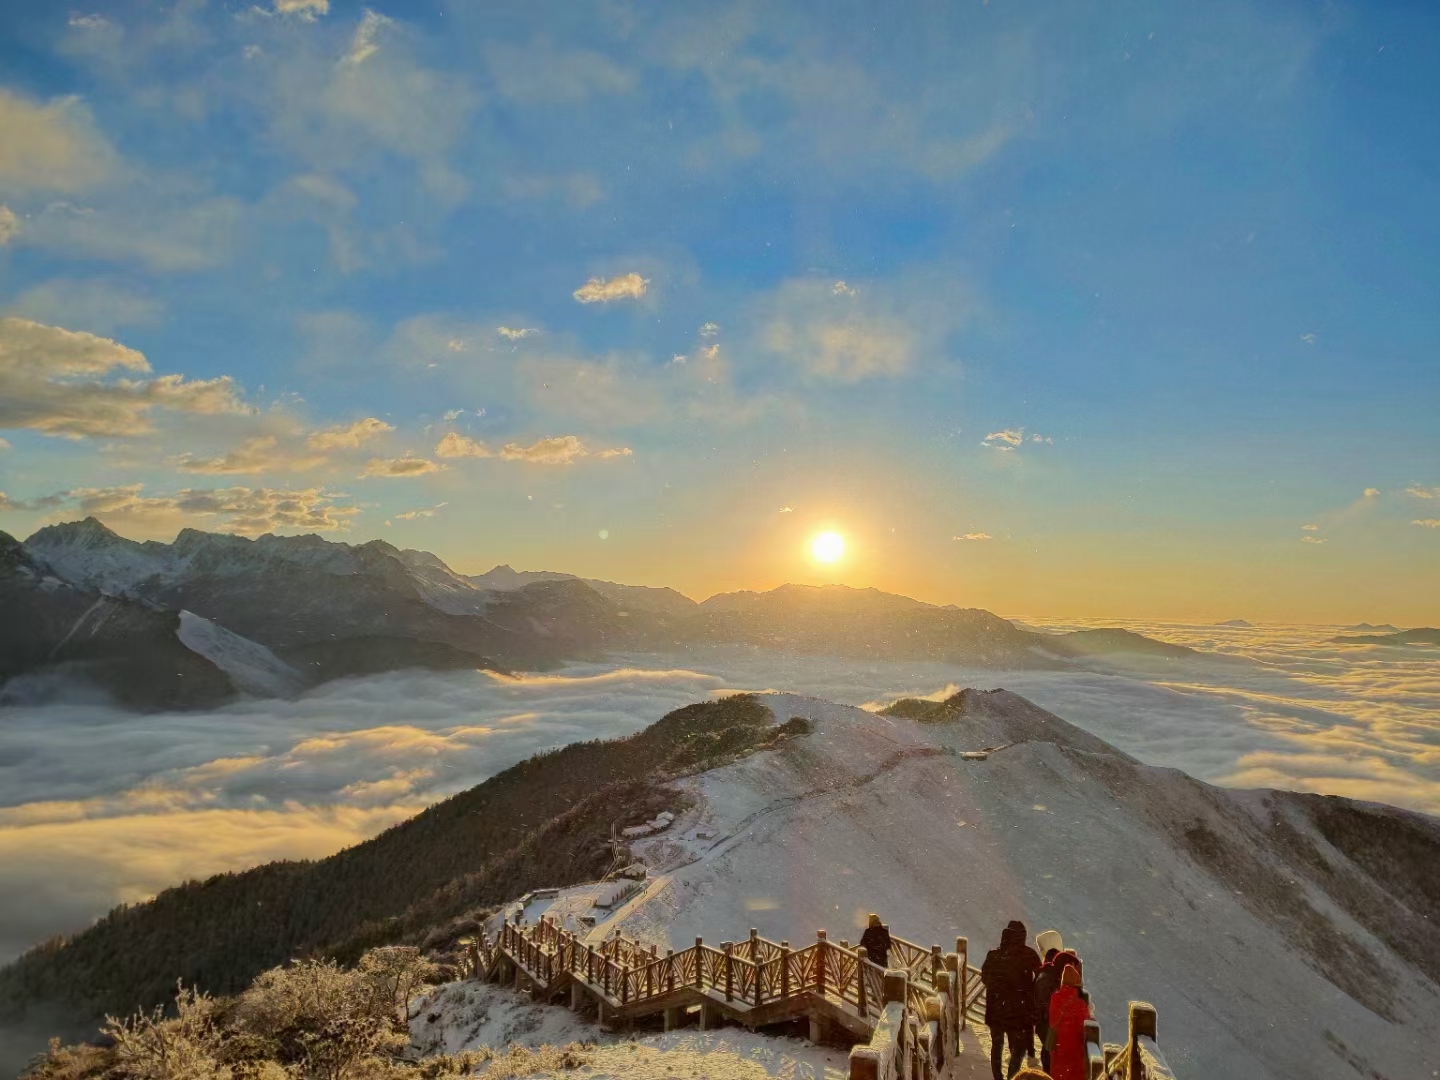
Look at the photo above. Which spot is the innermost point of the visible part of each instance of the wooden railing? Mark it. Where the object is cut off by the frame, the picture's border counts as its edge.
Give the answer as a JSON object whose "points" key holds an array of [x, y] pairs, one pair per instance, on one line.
{"points": [[914, 1011]]}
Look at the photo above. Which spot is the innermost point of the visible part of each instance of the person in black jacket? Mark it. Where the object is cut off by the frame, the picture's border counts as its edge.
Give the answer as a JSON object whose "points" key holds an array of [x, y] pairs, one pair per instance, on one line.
{"points": [[1009, 977], [876, 941]]}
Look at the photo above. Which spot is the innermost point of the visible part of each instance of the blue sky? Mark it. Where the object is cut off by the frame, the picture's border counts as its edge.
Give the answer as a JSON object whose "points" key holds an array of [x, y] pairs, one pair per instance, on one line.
{"points": [[1092, 310]]}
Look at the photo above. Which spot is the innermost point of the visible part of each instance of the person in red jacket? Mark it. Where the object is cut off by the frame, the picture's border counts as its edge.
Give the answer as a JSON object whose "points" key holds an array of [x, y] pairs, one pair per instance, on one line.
{"points": [[1068, 1013]]}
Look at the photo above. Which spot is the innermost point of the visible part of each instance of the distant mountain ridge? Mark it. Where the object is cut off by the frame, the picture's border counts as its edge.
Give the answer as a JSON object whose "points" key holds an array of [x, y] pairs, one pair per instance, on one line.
{"points": [[1420, 635], [288, 612]]}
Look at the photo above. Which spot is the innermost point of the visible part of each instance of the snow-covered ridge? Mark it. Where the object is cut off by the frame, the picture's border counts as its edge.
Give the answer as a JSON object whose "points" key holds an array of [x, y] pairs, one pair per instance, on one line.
{"points": [[1172, 891]]}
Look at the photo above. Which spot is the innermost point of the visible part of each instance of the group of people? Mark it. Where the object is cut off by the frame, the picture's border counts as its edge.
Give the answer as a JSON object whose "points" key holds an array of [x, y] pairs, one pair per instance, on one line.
{"points": [[1026, 998]]}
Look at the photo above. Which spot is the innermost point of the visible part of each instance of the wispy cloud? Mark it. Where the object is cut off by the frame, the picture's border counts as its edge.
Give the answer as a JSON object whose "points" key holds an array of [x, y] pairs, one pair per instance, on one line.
{"points": [[516, 333], [1310, 339], [243, 510], [305, 10], [260, 454], [454, 445], [428, 512], [604, 290], [973, 536], [1418, 492], [560, 450], [1310, 528], [72, 383], [365, 43], [9, 224], [1370, 493], [1313, 540], [52, 146], [1006, 439], [349, 436], [399, 467], [1427, 523]]}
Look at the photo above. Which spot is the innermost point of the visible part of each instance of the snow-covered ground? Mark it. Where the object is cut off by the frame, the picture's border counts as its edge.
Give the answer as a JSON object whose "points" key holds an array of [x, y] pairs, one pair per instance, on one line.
{"points": [[876, 814], [253, 668]]}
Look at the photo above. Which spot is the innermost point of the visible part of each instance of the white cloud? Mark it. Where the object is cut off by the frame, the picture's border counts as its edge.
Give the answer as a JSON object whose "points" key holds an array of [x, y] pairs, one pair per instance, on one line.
{"points": [[1313, 540], [1310, 339], [1041, 438], [260, 454], [1370, 493], [242, 510], [516, 333], [9, 224], [709, 329], [1419, 492], [52, 146], [68, 382], [973, 536], [348, 437], [88, 22], [614, 452], [1311, 528], [455, 445], [1427, 523], [306, 10], [4, 444], [786, 510], [399, 467], [601, 290], [451, 415], [841, 289], [1006, 439], [560, 450], [365, 42], [428, 512]]}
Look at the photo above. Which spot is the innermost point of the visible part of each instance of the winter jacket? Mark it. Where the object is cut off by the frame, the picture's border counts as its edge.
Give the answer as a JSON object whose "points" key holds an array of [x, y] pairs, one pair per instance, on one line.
{"points": [[1009, 977], [1068, 1013], [876, 942], [1046, 983]]}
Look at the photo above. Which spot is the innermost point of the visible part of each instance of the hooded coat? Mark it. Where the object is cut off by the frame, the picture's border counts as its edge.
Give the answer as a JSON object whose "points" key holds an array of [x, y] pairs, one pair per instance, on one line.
{"points": [[1009, 977], [1046, 983], [1068, 1013]]}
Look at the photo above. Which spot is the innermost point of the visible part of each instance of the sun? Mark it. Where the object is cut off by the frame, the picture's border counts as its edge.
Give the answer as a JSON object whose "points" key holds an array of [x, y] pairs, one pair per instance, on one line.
{"points": [[827, 547]]}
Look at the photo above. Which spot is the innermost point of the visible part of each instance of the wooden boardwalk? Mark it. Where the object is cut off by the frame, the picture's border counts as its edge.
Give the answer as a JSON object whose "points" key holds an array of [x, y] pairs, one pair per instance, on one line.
{"points": [[906, 1019]]}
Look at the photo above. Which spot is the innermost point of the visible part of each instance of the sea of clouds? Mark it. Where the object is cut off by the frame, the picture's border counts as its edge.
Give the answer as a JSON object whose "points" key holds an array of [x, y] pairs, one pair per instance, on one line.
{"points": [[99, 806]]}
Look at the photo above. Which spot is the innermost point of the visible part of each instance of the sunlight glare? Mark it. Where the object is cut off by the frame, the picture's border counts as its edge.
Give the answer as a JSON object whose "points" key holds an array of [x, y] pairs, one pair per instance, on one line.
{"points": [[827, 547]]}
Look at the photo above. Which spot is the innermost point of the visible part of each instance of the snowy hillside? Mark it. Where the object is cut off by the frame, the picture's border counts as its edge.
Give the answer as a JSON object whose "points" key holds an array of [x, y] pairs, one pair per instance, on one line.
{"points": [[1227, 910], [254, 669]]}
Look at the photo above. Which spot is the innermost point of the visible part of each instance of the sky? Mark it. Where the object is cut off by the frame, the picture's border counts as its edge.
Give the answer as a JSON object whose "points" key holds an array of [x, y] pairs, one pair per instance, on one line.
{"points": [[1120, 312]]}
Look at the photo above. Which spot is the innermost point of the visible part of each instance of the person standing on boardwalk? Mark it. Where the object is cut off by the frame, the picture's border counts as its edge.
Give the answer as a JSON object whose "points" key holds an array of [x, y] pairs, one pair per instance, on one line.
{"points": [[1068, 1013], [1009, 977], [1046, 984], [876, 941]]}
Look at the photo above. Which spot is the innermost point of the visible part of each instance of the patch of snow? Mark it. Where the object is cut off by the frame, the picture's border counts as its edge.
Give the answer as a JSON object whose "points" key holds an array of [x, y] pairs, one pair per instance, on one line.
{"points": [[252, 667], [466, 1015]]}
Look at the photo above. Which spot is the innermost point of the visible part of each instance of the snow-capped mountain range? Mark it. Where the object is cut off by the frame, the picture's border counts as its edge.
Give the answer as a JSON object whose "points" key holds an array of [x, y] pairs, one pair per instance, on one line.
{"points": [[315, 609]]}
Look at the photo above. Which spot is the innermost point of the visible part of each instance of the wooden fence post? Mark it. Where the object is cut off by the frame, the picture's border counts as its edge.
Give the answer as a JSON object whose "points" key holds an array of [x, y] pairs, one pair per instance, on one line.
{"points": [[784, 971], [820, 946], [962, 947], [670, 969], [936, 963], [729, 971], [1142, 1022], [700, 962], [860, 958]]}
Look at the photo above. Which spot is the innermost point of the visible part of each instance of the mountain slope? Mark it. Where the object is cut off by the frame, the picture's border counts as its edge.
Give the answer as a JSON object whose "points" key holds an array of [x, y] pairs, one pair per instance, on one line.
{"points": [[55, 637], [1278, 934], [544, 821]]}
